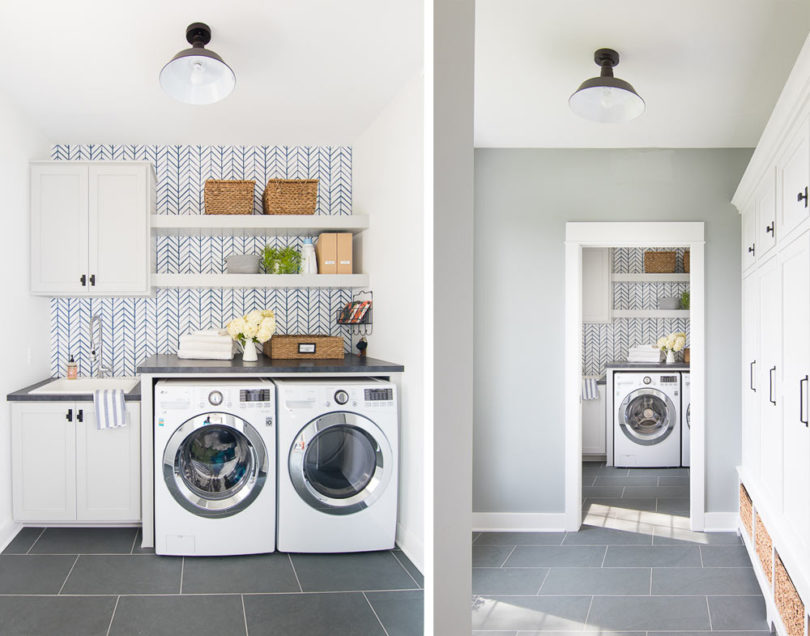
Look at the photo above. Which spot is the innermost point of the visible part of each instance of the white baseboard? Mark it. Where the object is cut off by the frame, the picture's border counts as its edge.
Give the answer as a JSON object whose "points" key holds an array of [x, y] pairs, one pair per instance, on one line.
{"points": [[412, 546], [7, 534], [720, 521], [518, 521]]}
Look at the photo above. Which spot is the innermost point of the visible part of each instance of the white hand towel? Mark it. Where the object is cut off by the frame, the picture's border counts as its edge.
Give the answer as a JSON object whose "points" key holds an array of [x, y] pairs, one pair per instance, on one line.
{"points": [[211, 332], [207, 344], [196, 354], [590, 389], [111, 410]]}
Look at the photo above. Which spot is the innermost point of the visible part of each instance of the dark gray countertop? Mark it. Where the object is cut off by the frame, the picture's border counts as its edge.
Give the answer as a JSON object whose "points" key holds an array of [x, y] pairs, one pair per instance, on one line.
{"points": [[647, 365], [171, 364], [24, 395]]}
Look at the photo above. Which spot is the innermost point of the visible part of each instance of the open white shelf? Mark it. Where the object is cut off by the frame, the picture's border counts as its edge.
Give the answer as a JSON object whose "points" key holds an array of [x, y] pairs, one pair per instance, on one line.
{"points": [[651, 313], [260, 280], [256, 224], [650, 278]]}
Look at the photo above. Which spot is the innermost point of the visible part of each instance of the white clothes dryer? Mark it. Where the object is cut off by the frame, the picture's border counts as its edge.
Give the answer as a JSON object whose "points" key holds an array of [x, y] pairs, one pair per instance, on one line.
{"points": [[686, 417], [337, 481], [215, 466], [647, 422]]}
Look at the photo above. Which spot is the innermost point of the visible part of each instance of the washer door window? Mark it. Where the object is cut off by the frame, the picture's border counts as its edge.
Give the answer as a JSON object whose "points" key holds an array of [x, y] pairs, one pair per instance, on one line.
{"points": [[215, 465], [647, 416], [340, 463]]}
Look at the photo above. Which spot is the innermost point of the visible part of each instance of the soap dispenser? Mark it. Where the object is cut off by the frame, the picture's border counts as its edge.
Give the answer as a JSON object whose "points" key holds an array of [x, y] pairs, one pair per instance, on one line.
{"points": [[309, 263], [72, 369]]}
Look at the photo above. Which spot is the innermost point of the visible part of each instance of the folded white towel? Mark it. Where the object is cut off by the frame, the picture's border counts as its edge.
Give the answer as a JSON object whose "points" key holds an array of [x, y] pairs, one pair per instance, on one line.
{"points": [[206, 345], [111, 410], [211, 332], [196, 354], [590, 389]]}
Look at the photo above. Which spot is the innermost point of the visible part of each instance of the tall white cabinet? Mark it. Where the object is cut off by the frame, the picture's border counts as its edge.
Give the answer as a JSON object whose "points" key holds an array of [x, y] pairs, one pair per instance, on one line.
{"points": [[90, 230], [775, 258]]}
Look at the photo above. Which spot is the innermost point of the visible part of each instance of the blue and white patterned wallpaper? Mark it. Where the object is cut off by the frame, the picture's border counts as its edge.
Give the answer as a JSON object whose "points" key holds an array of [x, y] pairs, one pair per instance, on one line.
{"points": [[606, 342], [135, 328]]}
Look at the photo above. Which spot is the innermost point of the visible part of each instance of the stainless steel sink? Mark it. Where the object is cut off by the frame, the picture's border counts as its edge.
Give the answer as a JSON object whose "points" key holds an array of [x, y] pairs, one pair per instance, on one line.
{"points": [[63, 386]]}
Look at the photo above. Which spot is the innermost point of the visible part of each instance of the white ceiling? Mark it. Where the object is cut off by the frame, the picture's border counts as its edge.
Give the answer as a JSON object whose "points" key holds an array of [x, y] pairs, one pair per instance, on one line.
{"points": [[710, 71], [307, 71]]}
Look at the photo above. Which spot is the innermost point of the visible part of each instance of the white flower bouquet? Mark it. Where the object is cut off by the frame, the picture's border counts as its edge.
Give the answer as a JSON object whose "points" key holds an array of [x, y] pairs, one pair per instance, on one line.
{"points": [[675, 341], [256, 327]]}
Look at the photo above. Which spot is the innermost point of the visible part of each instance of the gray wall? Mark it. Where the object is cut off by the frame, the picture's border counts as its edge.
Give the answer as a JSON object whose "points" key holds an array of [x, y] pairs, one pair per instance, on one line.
{"points": [[523, 198]]}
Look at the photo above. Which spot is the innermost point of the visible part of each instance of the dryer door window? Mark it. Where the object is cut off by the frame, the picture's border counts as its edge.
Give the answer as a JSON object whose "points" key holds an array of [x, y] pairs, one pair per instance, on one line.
{"points": [[647, 416], [215, 465], [340, 463]]}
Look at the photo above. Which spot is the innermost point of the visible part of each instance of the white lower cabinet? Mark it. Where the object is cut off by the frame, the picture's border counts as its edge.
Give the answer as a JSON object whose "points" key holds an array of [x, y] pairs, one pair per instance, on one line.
{"points": [[64, 469], [593, 424]]}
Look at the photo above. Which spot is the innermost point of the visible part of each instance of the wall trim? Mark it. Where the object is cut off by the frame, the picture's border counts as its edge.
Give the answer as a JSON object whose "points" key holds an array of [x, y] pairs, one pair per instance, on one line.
{"points": [[412, 546], [720, 521], [518, 521]]}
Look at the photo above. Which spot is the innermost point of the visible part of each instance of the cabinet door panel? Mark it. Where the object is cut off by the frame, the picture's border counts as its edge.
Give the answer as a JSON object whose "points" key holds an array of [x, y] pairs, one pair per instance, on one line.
{"points": [[58, 228], [795, 266], [108, 468], [766, 214], [593, 424], [751, 390], [795, 168], [597, 295], [749, 233], [119, 229], [43, 462]]}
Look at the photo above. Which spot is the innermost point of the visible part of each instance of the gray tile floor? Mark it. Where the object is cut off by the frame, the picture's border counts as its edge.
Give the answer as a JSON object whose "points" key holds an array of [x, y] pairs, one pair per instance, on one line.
{"points": [[634, 568], [97, 581]]}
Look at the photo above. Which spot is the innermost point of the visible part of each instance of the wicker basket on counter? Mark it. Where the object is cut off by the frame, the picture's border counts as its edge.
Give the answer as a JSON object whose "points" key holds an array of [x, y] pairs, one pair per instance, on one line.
{"points": [[299, 347], [659, 262], [290, 196], [229, 197]]}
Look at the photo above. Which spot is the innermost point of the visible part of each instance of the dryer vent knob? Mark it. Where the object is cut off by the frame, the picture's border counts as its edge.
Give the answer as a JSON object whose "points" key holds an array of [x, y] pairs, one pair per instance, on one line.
{"points": [[341, 397]]}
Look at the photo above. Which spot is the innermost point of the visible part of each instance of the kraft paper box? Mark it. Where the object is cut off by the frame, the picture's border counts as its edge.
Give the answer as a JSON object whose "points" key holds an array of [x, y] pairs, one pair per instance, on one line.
{"points": [[326, 253], [345, 263]]}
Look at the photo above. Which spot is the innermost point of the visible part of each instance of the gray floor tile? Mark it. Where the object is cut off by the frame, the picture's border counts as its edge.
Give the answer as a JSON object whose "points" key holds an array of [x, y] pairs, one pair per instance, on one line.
{"points": [[489, 556], [679, 506], [85, 541], [20, 574], [350, 572], [178, 616], [592, 535], [137, 549], [401, 613], [678, 536], [673, 481], [669, 492], [311, 614], [655, 556], [556, 556], [21, 543], [649, 613], [46, 616], [506, 581], [494, 632], [113, 574], [660, 472], [645, 505], [632, 480], [602, 581], [600, 632], [727, 633], [410, 567], [725, 556], [603, 491], [520, 538], [545, 613], [737, 612], [255, 573], [718, 581]]}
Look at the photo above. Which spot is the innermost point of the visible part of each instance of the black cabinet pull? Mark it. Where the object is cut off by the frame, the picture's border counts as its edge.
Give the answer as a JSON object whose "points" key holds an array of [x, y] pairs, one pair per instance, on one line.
{"points": [[83, 280], [770, 385], [769, 228], [802, 196], [93, 280], [80, 415], [69, 415], [751, 249], [802, 400], [751, 375]]}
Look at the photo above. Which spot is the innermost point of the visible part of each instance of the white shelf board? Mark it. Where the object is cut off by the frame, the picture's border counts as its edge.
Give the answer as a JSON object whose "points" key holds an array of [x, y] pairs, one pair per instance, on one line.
{"points": [[651, 313], [650, 278], [259, 280], [256, 224]]}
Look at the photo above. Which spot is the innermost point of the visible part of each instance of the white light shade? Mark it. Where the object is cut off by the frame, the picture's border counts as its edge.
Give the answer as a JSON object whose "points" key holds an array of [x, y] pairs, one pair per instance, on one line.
{"points": [[608, 104], [197, 76]]}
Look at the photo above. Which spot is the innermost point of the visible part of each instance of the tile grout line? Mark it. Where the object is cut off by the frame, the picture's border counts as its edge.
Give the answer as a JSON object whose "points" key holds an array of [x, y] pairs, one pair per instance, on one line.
{"points": [[543, 582], [588, 615], [297, 580], [700, 552], [68, 575], [244, 614], [112, 618], [508, 555], [35, 540], [651, 577], [604, 556], [402, 565], [375, 613], [182, 572], [134, 541], [709, 610]]}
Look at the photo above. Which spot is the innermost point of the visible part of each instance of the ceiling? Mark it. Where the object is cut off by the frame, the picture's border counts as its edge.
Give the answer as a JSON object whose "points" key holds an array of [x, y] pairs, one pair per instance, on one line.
{"points": [[307, 71], [710, 71]]}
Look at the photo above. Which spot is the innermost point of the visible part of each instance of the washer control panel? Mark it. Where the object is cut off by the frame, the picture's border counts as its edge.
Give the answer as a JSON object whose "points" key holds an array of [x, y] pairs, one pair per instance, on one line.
{"points": [[215, 398], [341, 397]]}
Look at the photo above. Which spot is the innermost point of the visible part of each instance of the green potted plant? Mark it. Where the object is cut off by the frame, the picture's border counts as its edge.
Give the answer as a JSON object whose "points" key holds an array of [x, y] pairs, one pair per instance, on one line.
{"points": [[286, 260], [685, 300]]}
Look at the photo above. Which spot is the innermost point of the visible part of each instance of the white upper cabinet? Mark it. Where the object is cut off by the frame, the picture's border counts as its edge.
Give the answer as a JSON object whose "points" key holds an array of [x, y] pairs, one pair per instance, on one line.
{"points": [[749, 234], [597, 295], [90, 227], [765, 198], [794, 168]]}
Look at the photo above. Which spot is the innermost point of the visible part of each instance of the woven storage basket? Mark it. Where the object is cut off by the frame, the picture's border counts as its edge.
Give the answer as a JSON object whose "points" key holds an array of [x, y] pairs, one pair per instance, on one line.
{"points": [[746, 511], [290, 196], [229, 197], [764, 546], [659, 262], [304, 346], [788, 602], [686, 262]]}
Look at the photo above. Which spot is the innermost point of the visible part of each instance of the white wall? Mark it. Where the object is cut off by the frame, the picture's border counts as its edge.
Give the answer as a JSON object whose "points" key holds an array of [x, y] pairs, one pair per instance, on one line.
{"points": [[24, 319], [388, 186]]}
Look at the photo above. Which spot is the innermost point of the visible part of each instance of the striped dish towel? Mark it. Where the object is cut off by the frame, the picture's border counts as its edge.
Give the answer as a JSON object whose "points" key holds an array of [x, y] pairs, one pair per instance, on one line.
{"points": [[111, 411], [590, 390]]}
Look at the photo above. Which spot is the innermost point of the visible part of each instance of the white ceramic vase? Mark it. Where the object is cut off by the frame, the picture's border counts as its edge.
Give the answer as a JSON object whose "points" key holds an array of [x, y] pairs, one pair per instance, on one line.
{"points": [[670, 357], [249, 353]]}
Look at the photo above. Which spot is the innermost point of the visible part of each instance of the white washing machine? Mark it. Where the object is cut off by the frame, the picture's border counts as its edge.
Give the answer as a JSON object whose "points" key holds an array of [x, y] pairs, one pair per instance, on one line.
{"points": [[215, 466], [647, 422], [337, 477], [686, 424]]}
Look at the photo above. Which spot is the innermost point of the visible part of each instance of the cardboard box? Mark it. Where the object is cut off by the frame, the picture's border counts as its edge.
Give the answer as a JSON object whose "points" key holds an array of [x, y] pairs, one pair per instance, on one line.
{"points": [[345, 263], [326, 253]]}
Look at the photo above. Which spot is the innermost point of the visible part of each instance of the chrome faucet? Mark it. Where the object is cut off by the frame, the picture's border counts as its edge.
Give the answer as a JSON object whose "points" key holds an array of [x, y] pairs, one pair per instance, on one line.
{"points": [[98, 369]]}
